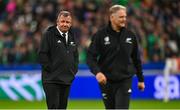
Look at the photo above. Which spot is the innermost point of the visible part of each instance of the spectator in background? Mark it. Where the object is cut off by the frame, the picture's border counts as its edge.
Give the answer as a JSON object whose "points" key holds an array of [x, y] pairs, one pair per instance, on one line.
{"points": [[20, 17]]}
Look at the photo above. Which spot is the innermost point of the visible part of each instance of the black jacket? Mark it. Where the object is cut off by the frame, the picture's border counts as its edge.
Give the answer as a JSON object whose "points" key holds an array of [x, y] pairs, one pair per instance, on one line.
{"points": [[59, 60], [116, 54]]}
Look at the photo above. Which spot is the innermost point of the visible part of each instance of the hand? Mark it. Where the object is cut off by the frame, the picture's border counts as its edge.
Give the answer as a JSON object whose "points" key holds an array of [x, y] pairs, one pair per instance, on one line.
{"points": [[141, 86], [101, 78]]}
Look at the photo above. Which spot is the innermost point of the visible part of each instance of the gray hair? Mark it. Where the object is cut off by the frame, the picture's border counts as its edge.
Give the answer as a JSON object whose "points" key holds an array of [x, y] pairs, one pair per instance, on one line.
{"points": [[115, 8], [64, 13]]}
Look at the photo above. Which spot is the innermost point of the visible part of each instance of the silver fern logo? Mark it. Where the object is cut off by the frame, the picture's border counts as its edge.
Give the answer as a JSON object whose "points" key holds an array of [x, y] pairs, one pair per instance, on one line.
{"points": [[128, 40]]}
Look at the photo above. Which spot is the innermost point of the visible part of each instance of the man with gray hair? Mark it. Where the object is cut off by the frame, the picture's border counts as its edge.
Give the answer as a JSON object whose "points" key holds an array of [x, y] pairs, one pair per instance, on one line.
{"points": [[113, 57], [58, 57]]}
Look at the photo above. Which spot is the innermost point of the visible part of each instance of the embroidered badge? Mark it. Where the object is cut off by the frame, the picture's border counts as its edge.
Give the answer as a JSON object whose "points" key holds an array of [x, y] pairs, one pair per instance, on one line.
{"points": [[58, 41], [128, 40], [106, 40]]}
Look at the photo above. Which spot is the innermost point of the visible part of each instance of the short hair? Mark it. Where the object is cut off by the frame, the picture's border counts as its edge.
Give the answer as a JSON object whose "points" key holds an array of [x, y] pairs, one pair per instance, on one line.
{"points": [[64, 13], [115, 8]]}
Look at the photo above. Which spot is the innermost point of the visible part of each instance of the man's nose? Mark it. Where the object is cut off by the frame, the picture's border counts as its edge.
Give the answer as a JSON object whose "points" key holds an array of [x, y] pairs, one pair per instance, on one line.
{"points": [[65, 24], [124, 18]]}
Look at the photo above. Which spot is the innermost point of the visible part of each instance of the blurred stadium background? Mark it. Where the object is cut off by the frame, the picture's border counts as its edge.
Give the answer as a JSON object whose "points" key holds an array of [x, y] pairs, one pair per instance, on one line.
{"points": [[156, 22]]}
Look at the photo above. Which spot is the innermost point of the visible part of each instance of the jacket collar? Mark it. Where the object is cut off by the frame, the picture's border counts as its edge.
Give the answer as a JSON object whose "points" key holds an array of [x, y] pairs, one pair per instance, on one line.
{"points": [[111, 31], [57, 33], [61, 31]]}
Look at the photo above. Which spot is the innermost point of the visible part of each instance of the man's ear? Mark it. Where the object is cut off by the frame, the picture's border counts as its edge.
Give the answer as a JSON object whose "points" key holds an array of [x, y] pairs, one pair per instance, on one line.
{"points": [[111, 17], [57, 21]]}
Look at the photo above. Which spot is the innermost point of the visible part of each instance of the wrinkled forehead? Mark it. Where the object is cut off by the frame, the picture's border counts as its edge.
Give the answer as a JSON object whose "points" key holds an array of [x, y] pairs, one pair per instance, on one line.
{"points": [[67, 18], [64, 15]]}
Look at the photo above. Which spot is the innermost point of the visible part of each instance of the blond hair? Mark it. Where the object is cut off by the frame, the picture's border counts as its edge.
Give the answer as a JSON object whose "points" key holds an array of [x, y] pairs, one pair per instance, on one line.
{"points": [[115, 8]]}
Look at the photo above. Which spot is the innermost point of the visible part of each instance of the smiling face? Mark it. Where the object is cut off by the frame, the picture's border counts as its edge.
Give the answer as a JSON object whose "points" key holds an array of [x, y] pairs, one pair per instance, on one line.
{"points": [[64, 22], [119, 18]]}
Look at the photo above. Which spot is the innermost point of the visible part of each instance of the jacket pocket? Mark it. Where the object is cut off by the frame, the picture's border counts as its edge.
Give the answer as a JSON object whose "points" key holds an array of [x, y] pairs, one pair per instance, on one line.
{"points": [[73, 69], [131, 69], [72, 48], [56, 66], [46, 68]]}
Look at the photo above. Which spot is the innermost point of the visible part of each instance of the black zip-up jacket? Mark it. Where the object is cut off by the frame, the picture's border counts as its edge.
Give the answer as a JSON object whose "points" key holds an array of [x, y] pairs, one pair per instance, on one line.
{"points": [[59, 60], [116, 54]]}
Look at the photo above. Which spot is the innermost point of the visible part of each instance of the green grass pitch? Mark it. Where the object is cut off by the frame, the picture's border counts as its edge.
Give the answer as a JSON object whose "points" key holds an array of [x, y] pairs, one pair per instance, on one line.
{"points": [[91, 104]]}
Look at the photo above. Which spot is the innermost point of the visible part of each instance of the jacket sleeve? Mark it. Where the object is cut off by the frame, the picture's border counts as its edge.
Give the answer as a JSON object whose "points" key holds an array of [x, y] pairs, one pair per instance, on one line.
{"points": [[76, 57], [137, 60], [92, 55], [43, 52]]}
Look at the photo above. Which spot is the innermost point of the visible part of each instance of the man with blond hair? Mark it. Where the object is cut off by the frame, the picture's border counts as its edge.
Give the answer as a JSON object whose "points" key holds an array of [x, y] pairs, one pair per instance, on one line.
{"points": [[113, 57]]}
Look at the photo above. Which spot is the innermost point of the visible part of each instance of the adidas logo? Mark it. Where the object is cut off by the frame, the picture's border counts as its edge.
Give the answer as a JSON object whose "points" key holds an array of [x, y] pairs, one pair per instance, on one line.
{"points": [[129, 90]]}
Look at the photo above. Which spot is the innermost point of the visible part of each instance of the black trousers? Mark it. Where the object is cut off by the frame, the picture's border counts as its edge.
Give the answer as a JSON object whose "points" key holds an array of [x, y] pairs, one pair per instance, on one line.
{"points": [[56, 95], [116, 95]]}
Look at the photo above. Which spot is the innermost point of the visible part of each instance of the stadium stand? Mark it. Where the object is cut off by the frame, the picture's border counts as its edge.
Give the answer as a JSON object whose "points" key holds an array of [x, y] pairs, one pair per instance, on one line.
{"points": [[156, 22]]}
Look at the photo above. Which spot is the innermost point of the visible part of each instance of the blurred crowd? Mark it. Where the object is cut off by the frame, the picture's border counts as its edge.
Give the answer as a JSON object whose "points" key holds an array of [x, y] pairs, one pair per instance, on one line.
{"points": [[155, 22]]}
